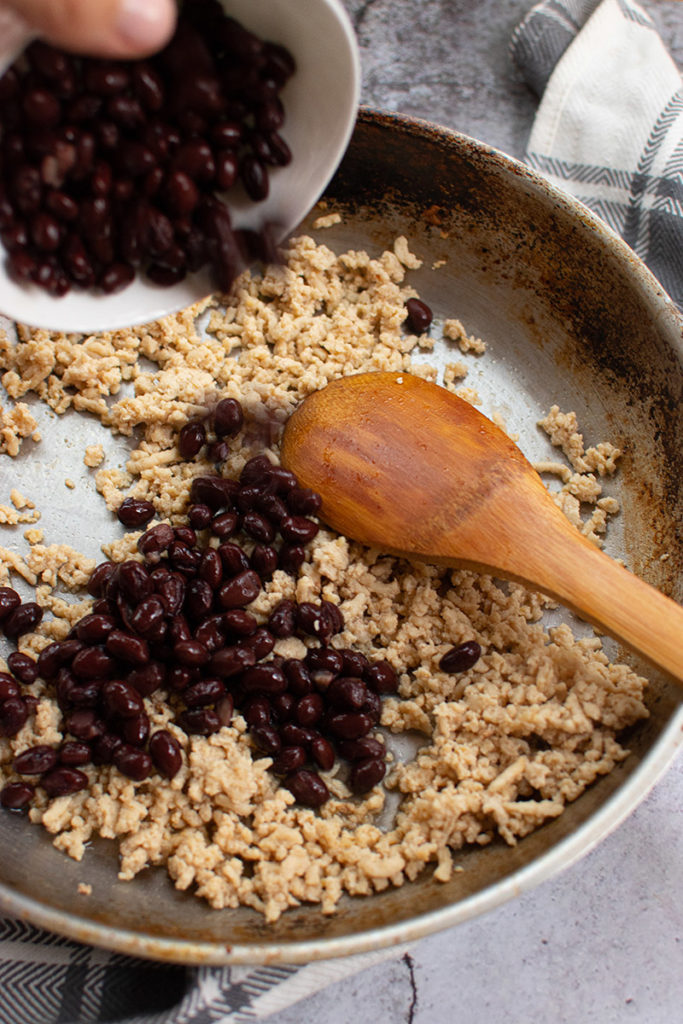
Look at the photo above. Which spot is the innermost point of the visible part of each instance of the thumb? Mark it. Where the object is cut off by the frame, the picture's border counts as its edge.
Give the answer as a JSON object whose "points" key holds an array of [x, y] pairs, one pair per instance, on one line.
{"points": [[105, 28]]}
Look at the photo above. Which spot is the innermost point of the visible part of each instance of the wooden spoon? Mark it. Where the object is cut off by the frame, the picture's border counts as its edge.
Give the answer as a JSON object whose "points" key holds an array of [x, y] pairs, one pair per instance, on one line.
{"points": [[408, 467]]}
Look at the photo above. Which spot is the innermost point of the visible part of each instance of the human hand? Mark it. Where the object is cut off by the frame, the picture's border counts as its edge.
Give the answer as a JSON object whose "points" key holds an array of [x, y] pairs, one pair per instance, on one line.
{"points": [[99, 28]]}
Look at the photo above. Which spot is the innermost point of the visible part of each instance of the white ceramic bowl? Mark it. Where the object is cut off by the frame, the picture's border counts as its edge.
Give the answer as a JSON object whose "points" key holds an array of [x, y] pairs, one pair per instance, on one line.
{"points": [[321, 102]]}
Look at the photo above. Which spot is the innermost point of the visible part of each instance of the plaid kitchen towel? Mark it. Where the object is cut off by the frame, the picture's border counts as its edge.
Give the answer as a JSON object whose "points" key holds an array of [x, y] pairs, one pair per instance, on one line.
{"points": [[609, 127], [47, 979]]}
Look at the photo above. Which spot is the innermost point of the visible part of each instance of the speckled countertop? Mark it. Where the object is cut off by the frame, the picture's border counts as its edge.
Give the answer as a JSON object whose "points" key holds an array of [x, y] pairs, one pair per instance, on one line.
{"points": [[603, 941]]}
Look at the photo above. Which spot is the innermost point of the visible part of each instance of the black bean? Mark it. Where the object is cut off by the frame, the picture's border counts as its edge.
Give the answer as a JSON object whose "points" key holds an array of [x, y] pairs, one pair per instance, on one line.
{"points": [[231, 660], [23, 619], [461, 658], [240, 590], [365, 774], [191, 653], [86, 694], [307, 787], [63, 781], [298, 677], [171, 591], [224, 524], [9, 687], [240, 622], [147, 615], [104, 747], [94, 629], [309, 709], [254, 177], [191, 439], [74, 753], [264, 560], [297, 735], [206, 691], [179, 630], [135, 730], [272, 506], [283, 706], [256, 470], [105, 78], [298, 529], [354, 662], [99, 578], [9, 600], [116, 277], [42, 107], [228, 417], [309, 618], [289, 759], [350, 725], [381, 677], [14, 796], [211, 633], [282, 620], [120, 698], [199, 516], [248, 496], [13, 716], [292, 557], [264, 678], [23, 667], [198, 598], [347, 692], [322, 753], [325, 660], [85, 725], [147, 85], [209, 490], [372, 707], [364, 747], [166, 753], [156, 540], [261, 642], [179, 678], [35, 760], [201, 721], [258, 527], [134, 580], [419, 315], [133, 763], [267, 739], [258, 712], [302, 501], [128, 648], [148, 679]]}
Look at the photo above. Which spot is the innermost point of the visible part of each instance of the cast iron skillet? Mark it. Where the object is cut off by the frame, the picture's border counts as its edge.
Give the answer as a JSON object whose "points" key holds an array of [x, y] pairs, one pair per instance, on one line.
{"points": [[570, 316]]}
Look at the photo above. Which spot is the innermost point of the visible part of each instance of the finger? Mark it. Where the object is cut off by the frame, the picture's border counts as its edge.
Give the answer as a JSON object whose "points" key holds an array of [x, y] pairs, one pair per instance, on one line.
{"points": [[104, 28]]}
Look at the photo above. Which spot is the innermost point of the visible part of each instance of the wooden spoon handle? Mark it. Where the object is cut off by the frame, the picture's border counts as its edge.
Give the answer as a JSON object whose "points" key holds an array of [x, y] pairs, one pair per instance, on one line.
{"points": [[606, 594]]}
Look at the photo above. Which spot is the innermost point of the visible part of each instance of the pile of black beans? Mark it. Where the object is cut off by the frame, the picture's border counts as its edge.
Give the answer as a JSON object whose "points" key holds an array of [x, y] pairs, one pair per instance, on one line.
{"points": [[177, 624], [108, 168]]}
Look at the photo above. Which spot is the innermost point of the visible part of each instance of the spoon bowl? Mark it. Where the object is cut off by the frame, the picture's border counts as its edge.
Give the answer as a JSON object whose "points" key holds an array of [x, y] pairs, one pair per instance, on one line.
{"points": [[321, 102], [406, 466]]}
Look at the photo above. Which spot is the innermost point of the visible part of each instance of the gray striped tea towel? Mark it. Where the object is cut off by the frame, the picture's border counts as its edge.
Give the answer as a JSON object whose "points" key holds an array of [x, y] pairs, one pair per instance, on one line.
{"points": [[609, 127], [47, 979]]}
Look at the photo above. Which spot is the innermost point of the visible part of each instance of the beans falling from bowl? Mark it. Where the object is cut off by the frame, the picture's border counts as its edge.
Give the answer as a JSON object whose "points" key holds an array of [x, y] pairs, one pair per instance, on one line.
{"points": [[108, 169]]}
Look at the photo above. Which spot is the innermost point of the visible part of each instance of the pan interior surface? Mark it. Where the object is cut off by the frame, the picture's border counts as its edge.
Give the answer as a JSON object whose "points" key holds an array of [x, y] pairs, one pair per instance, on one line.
{"points": [[570, 317]]}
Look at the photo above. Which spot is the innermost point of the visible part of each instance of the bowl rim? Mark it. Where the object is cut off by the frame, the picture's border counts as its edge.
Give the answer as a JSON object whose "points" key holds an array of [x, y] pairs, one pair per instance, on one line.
{"points": [[561, 856]]}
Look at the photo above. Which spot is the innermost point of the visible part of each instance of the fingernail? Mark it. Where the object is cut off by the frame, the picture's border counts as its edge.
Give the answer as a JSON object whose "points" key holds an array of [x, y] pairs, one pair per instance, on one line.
{"points": [[145, 24]]}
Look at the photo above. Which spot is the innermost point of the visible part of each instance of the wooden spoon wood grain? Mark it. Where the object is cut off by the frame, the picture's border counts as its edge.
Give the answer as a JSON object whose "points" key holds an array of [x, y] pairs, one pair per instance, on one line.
{"points": [[408, 467]]}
